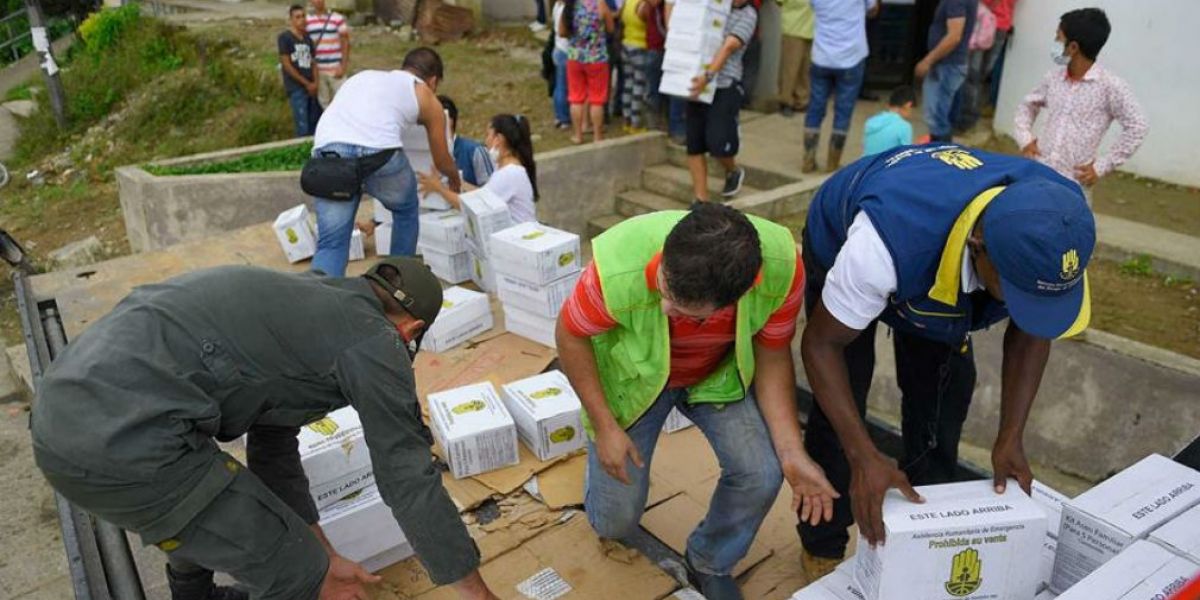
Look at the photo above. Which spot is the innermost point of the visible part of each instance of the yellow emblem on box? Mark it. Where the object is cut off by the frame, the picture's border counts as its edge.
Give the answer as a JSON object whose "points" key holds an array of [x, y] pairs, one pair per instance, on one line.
{"points": [[965, 573]]}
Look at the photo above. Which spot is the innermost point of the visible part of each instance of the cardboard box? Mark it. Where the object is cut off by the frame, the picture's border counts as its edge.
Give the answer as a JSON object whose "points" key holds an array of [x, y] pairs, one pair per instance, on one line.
{"points": [[546, 411], [421, 161], [464, 315], [334, 455], [451, 268], [482, 273], [535, 253], [1051, 501], [486, 214], [416, 137], [357, 251], [1181, 535], [966, 541], [387, 558], [444, 231], [702, 46], [383, 239], [1046, 562], [474, 429], [679, 84], [542, 300], [685, 62], [1143, 571], [362, 527], [707, 20], [1046, 595], [295, 234], [676, 421], [530, 326], [1106, 519]]}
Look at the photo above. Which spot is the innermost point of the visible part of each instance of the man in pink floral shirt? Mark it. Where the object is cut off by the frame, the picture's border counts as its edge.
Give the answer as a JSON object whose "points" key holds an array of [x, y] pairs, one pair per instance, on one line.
{"points": [[1081, 99]]}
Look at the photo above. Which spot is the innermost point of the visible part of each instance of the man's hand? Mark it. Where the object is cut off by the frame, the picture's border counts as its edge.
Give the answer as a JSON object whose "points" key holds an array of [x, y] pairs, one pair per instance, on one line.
{"points": [[698, 83], [869, 482], [1008, 461], [613, 447], [429, 182], [812, 493], [1086, 174], [922, 69], [311, 87], [344, 580], [1031, 151], [340, 71]]}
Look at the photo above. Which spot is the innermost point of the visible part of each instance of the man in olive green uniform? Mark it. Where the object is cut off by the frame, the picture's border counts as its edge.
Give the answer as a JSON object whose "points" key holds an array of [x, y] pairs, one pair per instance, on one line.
{"points": [[127, 419]]}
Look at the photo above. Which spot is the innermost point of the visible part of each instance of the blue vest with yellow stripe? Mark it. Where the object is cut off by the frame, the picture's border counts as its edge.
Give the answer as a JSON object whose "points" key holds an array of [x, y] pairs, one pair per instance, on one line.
{"points": [[923, 201]]}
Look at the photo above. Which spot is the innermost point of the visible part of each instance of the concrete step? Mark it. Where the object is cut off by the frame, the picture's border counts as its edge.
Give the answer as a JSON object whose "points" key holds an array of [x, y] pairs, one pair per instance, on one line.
{"points": [[1171, 253], [763, 179], [640, 202], [674, 182], [599, 225]]}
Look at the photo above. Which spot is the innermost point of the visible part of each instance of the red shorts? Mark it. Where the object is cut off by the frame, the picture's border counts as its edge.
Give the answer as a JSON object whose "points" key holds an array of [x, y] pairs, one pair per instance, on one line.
{"points": [[587, 83]]}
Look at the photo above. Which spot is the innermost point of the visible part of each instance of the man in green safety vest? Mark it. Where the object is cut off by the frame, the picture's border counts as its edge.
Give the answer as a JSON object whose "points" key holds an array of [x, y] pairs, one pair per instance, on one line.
{"points": [[686, 310]]}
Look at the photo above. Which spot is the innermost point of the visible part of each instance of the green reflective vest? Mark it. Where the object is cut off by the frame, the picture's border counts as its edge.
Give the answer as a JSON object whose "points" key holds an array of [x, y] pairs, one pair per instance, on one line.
{"points": [[634, 358]]}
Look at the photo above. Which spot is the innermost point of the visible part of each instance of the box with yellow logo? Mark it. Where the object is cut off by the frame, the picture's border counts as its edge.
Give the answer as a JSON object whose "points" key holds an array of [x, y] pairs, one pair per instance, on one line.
{"points": [[1101, 522], [482, 273], [363, 529], [964, 542], [546, 411], [1051, 501], [486, 214], [295, 233], [542, 300], [1143, 571], [451, 268], [334, 455], [474, 429], [464, 315], [530, 326], [1181, 535], [535, 253], [444, 231]]}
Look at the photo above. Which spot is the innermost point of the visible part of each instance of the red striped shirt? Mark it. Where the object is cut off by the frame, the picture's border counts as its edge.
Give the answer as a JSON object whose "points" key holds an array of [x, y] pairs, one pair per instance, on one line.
{"points": [[697, 347]]}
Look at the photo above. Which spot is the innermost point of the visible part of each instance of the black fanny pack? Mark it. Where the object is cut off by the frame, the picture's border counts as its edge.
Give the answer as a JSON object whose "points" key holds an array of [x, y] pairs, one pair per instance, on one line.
{"points": [[335, 177]]}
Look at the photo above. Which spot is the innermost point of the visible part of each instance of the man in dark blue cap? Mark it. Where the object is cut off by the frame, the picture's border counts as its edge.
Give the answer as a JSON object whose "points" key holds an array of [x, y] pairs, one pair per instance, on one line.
{"points": [[934, 241]]}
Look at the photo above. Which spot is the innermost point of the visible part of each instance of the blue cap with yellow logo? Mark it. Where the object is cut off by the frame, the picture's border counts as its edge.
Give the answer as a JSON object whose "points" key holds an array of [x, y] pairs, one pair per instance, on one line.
{"points": [[1039, 234]]}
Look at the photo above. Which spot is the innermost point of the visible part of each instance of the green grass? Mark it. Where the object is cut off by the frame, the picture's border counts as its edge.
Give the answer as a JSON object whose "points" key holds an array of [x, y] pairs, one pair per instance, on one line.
{"points": [[20, 92], [291, 158]]}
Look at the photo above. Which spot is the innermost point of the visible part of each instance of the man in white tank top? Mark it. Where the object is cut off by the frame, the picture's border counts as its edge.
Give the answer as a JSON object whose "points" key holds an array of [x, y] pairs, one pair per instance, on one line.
{"points": [[366, 117]]}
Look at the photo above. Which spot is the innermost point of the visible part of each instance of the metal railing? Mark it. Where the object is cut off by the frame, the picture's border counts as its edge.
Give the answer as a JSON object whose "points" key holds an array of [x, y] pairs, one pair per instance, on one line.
{"points": [[15, 37]]}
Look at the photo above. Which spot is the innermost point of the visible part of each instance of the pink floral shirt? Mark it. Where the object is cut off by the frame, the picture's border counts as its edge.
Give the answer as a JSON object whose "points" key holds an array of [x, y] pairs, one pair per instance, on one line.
{"points": [[1078, 113]]}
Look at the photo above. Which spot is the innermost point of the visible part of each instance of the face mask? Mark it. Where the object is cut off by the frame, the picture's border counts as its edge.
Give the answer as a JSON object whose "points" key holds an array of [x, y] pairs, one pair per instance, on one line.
{"points": [[1058, 53], [494, 154]]}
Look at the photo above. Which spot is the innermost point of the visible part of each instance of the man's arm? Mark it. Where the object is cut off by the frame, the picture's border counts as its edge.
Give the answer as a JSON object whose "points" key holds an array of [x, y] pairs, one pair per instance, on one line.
{"points": [[433, 119], [1027, 112], [273, 454], [344, 37], [775, 390], [872, 474], [740, 33], [285, 60], [1024, 362], [376, 375], [1126, 110], [954, 34]]}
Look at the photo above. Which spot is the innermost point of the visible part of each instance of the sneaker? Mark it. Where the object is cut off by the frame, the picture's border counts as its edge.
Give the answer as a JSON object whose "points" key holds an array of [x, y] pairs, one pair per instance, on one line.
{"points": [[733, 183], [678, 139], [713, 587], [696, 203], [199, 586], [562, 125], [787, 111], [537, 27]]}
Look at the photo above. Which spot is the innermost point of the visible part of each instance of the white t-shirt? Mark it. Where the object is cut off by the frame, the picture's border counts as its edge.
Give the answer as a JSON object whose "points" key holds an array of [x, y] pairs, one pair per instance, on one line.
{"points": [[511, 184], [370, 110], [556, 14], [863, 278]]}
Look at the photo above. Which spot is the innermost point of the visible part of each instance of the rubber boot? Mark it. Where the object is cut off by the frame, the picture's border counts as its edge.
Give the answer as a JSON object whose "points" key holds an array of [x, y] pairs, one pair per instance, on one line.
{"points": [[836, 144], [198, 585], [810, 151]]}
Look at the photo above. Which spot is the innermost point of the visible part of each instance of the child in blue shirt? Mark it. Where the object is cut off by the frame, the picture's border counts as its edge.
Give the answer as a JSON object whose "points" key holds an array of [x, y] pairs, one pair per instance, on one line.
{"points": [[891, 128]]}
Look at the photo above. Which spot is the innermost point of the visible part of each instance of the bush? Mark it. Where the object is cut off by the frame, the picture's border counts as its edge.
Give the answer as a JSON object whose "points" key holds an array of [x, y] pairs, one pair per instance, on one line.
{"points": [[103, 28], [290, 158]]}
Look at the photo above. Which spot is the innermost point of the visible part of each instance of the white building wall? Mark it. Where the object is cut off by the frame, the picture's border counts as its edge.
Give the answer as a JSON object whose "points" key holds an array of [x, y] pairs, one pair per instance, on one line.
{"points": [[1153, 47]]}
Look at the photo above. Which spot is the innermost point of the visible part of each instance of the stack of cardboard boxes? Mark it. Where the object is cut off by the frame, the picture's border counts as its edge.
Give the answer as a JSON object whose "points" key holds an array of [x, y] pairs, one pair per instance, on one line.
{"points": [[464, 315], [485, 214], [334, 455], [696, 33], [415, 141], [442, 243], [536, 268]]}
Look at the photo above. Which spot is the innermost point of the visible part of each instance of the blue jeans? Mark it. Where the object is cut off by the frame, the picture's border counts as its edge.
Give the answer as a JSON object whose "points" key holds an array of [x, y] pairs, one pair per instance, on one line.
{"points": [[394, 184], [306, 111], [562, 109], [677, 117], [937, 96], [653, 80], [750, 480], [843, 85]]}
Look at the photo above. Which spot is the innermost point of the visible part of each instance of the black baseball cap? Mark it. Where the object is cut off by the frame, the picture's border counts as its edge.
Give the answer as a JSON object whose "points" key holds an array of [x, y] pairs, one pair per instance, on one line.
{"points": [[419, 292]]}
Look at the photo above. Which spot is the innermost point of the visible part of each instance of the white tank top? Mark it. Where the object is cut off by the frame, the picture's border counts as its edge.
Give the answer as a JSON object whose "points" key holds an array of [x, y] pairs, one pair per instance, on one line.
{"points": [[370, 109]]}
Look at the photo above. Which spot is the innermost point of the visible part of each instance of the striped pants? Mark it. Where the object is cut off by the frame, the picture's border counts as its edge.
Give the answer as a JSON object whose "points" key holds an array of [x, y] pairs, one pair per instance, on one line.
{"points": [[634, 63]]}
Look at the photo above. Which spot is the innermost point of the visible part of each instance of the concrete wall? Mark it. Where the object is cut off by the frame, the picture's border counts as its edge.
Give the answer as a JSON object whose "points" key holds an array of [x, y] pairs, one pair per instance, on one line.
{"points": [[1150, 48], [576, 184], [163, 211], [512, 10], [1105, 402]]}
